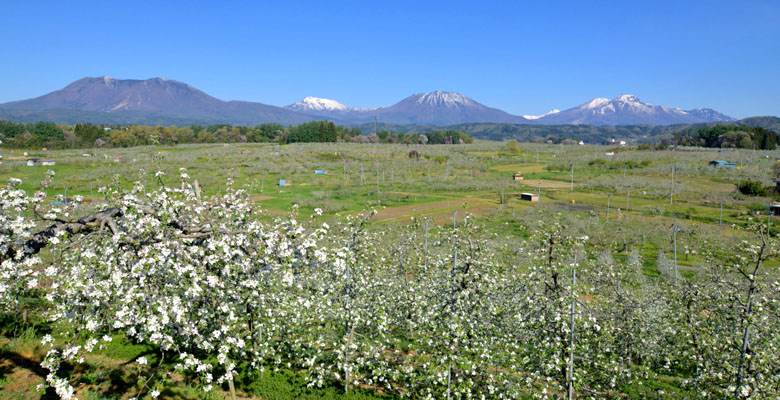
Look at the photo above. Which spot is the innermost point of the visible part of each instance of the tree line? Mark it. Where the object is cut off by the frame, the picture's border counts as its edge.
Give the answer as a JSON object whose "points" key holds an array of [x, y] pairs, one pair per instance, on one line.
{"points": [[58, 136], [744, 137]]}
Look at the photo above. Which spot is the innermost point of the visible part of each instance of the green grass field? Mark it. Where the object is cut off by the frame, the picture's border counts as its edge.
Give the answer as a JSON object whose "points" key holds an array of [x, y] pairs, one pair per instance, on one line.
{"points": [[469, 179]]}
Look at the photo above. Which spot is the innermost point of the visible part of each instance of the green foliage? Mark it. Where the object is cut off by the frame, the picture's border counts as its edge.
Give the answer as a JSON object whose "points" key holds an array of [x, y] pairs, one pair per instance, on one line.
{"points": [[744, 137], [752, 188]]}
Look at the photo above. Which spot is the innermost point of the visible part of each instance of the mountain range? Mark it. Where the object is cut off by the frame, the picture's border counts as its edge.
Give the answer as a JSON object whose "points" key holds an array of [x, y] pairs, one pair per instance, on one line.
{"points": [[163, 101]]}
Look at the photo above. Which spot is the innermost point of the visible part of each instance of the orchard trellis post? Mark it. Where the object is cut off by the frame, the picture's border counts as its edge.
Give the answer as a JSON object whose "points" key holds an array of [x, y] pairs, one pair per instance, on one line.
{"points": [[452, 311], [426, 245], [675, 229], [572, 178], [628, 197], [540, 193], [571, 334], [671, 187]]}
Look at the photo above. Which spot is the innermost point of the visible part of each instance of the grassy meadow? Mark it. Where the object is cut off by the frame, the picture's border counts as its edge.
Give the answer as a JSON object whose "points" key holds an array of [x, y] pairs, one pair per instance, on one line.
{"points": [[630, 199]]}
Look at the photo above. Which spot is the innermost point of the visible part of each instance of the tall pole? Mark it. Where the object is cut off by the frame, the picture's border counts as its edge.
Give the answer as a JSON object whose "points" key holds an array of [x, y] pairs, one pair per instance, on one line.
{"points": [[721, 212], [675, 253], [671, 191], [540, 192], [628, 197], [572, 178], [452, 305], [426, 244], [571, 335], [608, 198]]}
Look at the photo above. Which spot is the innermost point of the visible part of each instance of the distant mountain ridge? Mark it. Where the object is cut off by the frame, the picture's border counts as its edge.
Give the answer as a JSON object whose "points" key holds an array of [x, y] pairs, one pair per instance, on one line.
{"points": [[165, 101], [154, 98], [446, 108], [627, 109]]}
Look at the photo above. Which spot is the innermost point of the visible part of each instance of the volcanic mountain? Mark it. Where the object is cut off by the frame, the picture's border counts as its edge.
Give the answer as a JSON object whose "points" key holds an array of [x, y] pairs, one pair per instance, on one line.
{"points": [[434, 108], [627, 109], [164, 101], [153, 98]]}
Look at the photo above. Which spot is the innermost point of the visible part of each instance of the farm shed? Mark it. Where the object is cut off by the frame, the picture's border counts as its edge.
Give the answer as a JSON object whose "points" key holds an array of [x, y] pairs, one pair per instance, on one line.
{"points": [[529, 196], [722, 164], [774, 209], [284, 182], [320, 172], [47, 163], [31, 162], [518, 176]]}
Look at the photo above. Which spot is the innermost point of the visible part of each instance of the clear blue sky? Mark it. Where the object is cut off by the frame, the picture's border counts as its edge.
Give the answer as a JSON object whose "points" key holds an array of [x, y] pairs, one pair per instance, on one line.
{"points": [[525, 58]]}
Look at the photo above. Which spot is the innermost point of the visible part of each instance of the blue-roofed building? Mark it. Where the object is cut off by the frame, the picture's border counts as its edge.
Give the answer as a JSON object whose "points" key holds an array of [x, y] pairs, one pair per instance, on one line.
{"points": [[722, 164]]}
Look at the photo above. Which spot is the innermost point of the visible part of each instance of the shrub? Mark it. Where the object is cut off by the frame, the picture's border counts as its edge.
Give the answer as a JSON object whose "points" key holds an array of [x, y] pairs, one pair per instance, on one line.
{"points": [[752, 188]]}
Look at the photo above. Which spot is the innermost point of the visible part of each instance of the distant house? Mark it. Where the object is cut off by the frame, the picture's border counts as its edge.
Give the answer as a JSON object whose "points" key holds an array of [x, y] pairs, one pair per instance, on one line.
{"points": [[774, 209], [518, 176], [320, 172], [722, 164], [284, 182], [529, 196], [47, 163], [616, 142]]}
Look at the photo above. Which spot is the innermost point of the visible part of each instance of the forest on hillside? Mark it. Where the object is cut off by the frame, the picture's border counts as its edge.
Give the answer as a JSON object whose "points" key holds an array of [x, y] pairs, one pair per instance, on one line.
{"points": [[57, 136]]}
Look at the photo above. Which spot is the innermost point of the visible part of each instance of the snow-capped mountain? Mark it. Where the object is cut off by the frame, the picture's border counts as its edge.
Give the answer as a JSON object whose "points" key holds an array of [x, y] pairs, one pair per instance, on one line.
{"points": [[316, 104], [551, 112], [443, 108], [165, 101], [330, 109], [437, 108], [627, 109]]}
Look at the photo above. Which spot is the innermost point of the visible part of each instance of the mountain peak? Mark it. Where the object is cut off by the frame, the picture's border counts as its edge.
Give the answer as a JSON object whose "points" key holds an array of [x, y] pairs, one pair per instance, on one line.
{"points": [[311, 103], [597, 102], [627, 98], [442, 98]]}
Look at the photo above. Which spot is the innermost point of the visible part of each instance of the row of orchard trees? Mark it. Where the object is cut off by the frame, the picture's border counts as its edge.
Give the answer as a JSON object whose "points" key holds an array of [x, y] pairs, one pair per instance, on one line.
{"points": [[427, 313]]}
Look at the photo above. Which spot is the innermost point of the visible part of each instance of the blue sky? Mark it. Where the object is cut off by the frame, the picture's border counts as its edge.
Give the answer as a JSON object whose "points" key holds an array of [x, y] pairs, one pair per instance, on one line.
{"points": [[522, 57]]}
